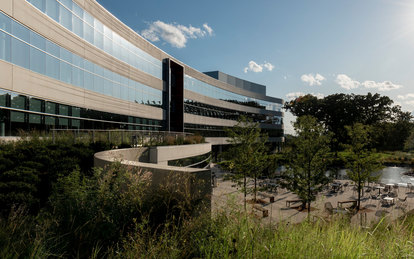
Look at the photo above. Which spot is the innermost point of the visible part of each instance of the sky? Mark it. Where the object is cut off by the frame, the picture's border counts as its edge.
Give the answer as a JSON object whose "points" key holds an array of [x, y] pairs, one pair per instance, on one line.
{"points": [[296, 47]]}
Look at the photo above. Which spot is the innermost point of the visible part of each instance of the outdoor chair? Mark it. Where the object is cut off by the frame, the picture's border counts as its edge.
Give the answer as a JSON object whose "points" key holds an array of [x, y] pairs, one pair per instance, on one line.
{"points": [[329, 208], [393, 194], [402, 204], [409, 185], [395, 187]]}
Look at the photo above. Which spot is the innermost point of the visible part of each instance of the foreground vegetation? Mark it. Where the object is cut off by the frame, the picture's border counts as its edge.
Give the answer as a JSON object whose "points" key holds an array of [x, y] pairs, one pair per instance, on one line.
{"points": [[229, 234]]}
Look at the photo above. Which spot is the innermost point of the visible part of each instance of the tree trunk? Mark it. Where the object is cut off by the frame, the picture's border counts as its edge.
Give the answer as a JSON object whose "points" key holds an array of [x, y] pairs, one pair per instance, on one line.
{"points": [[255, 181], [359, 196], [245, 192]]}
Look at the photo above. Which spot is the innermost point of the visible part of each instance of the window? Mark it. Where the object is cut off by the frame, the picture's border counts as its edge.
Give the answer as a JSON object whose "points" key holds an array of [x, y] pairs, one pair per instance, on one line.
{"points": [[65, 68], [16, 116], [52, 9], [3, 98], [65, 18], [88, 33], [88, 77], [5, 46], [18, 101], [77, 73], [37, 61], [67, 3], [77, 26], [50, 107], [20, 53], [40, 4]]}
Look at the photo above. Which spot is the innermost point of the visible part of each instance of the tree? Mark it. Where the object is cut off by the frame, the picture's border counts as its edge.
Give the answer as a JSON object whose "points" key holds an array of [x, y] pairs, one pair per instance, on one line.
{"points": [[409, 143], [392, 135], [339, 110], [361, 163], [305, 174], [247, 156]]}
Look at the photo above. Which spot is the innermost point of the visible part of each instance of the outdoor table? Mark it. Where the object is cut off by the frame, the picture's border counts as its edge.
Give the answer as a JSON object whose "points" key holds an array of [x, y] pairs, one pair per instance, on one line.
{"points": [[340, 203], [336, 186], [379, 188]]}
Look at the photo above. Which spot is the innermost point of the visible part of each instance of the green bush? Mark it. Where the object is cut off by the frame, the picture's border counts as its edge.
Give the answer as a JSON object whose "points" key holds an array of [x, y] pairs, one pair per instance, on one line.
{"points": [[28, 169], [96, 211]]}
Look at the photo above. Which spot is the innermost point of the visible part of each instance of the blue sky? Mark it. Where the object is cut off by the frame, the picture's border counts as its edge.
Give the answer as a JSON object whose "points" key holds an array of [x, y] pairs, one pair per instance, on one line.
{"points": [[293, 47]]}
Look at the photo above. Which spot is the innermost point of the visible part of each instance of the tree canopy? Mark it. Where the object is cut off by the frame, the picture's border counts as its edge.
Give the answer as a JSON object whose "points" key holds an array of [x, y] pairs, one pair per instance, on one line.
{"points": [[308, 159], [339, 110], [361, 163], [247, 156]]}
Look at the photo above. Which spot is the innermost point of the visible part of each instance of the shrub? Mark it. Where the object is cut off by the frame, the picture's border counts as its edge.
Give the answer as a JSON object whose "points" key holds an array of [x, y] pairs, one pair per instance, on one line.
{"points": [[96, 211]]}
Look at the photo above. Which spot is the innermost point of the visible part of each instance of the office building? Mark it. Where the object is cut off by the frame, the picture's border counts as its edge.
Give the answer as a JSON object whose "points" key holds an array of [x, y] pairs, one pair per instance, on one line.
{"points": [[70, 64]]}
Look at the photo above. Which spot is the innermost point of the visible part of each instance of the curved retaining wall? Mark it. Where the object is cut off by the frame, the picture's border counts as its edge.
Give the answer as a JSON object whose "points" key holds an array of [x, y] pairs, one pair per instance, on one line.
{"points": [[161, 173], [163, 154]]}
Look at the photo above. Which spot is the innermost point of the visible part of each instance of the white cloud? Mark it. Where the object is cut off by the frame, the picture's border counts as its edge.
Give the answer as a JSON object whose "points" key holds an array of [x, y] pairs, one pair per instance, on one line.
{"points": [[268, 66], [257, 68], [381, 86], [191, 32], [318, 95], [346, 82], [312, 79], [407, 96], [408, 99], [208, 29], [294, 95], [175, 34], [254, 67]]}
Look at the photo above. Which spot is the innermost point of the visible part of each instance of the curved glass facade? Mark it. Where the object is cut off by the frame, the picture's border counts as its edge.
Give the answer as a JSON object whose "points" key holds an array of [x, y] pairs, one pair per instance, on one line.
{"points": [[24, 47], [75, 19], [202, 109], [24, 112], [202, 88]]}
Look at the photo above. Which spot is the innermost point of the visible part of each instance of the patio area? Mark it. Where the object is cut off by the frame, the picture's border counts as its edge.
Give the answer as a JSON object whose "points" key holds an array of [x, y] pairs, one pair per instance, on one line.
{"points": [[338, 198]]}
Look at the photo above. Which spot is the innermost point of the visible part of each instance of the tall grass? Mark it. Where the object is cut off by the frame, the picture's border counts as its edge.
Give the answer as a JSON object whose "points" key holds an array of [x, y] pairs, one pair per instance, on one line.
{"points": [[109, 215]]}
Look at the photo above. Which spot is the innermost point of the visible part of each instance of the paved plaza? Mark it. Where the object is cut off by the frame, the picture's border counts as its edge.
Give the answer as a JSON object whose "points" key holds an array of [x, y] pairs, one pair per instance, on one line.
{"points": [[373, 205]]}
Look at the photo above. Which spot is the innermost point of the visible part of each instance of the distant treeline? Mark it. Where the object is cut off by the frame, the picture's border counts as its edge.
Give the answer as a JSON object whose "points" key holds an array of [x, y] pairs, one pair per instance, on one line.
{"points": [[390, 126]]}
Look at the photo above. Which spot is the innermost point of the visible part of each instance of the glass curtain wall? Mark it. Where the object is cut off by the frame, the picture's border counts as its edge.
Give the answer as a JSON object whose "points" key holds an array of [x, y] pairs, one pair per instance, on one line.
{"points": [[202, 88], [23, 47], [75, 19]]}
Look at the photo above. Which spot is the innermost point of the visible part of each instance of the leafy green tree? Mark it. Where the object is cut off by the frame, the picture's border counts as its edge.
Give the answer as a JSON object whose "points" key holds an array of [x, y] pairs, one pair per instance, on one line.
{"points": [[308, 160], [409, 142], [247, 156], [339, 110], [392, 135], [361, 163]]}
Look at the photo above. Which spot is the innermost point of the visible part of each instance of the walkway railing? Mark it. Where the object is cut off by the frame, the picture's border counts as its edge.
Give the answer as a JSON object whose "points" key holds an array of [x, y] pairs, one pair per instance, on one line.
{"points": [[117, 137]]}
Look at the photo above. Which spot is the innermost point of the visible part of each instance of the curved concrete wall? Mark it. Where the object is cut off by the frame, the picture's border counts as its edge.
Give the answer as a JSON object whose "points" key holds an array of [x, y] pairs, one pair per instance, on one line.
{"points": [[199, 179], [162, 154]]}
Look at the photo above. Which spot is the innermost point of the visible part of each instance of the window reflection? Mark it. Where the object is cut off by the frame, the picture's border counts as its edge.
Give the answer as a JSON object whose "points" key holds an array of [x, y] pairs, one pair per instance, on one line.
{"points": [[47, 58], [28, 113], [202, 109], [75, 19], [200, 87]]}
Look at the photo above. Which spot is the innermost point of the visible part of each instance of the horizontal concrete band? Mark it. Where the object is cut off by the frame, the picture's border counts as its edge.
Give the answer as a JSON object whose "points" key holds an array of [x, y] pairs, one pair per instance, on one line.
{"points": [[24, 81]]}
